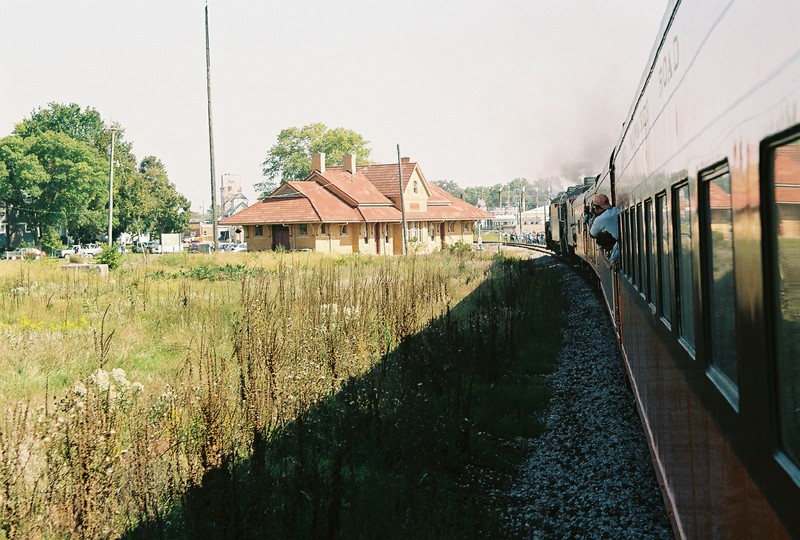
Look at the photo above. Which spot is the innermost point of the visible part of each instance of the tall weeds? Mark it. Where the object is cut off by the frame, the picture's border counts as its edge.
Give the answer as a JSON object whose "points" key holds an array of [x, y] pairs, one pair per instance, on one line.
{"points": [[296, 420]]}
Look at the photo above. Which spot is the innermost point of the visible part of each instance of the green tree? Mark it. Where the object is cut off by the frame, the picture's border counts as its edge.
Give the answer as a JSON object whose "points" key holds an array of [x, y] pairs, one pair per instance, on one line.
{"points": [[169, 209], [451, 187], [290, 158], [20, 185], [82, 125], [75, 190]]}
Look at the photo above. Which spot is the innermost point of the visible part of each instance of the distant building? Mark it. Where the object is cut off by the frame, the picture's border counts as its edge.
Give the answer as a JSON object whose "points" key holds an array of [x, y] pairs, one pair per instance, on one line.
{"points": [[349, 209], [231, 197]]}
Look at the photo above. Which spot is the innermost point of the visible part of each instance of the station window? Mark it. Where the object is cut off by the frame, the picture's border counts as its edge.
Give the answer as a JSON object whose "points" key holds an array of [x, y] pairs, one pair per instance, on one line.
{"points": [[344, 230], [682, 216], [663, 254], [650, 250], [302, 229], [785, 213], [718, 279], [258, 231], [323, 229]]}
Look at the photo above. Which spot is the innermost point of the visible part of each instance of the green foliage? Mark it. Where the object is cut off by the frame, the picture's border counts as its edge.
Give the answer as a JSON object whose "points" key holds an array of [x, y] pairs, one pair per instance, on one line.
{"points": [[290, 158], [110, 256], [459, 248], [54, 173], [51, 240], [148, 201], [451, 187]]}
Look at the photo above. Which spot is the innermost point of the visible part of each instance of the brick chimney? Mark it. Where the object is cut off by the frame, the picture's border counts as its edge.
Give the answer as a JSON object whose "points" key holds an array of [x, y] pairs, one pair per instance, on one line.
{"points": [[349, 163], [405, 160], [318, 162]]}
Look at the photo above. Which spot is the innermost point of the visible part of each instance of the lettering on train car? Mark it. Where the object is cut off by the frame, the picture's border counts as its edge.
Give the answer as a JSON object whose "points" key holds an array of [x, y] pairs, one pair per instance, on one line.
{"points": [[669, 64]]}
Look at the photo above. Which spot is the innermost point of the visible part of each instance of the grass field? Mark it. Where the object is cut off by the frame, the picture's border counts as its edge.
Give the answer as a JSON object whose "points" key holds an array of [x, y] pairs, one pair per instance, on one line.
{"points": [[265, 394]]}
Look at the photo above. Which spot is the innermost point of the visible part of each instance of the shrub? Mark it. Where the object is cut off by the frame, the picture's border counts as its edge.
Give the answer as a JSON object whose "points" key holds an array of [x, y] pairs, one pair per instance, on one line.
{"points": [[110, 256], [51, 241]]}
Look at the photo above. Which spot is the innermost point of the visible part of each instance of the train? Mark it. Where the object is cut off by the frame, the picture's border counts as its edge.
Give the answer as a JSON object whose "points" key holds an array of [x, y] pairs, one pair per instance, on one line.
{"points": [[705, 294]]}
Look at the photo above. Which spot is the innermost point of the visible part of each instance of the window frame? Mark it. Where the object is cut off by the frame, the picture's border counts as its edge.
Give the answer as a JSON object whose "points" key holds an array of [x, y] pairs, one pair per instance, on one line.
{"points": [[727, 386], [686, 329]]}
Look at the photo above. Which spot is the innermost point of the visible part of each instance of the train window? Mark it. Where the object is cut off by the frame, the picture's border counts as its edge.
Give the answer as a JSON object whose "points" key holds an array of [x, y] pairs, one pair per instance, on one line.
{"points": [[718, 279], [640, 262], [786, 290], [626, 249], [682, 219], [650, 286], [632, 242], [663, 255]]}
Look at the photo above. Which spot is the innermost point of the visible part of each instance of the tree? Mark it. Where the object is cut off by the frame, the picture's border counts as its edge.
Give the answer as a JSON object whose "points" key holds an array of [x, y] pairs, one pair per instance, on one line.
{"points": [[86, 126], [451, 187], [54, 175], [290, 158], [74, 190], [170, 210]]}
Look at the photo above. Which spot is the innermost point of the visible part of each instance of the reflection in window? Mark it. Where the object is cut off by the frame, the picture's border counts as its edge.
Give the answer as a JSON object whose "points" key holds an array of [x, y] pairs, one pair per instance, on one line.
{"points": [[640, 263], [786, 177], [718, 259], [664, 265], [650, 241], [683, 260]]}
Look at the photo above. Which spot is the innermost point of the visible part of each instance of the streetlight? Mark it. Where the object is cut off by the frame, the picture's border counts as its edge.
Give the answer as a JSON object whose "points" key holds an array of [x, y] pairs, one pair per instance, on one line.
{"points": [[113, 130]]}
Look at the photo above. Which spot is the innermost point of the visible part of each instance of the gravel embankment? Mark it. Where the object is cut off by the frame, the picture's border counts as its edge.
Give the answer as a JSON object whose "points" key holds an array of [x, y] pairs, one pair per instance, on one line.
{"points": [[590, 474]]}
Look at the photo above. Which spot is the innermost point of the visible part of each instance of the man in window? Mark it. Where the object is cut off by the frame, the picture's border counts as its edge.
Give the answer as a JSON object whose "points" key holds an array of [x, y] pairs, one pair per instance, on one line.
{"points": [[605, 227]]}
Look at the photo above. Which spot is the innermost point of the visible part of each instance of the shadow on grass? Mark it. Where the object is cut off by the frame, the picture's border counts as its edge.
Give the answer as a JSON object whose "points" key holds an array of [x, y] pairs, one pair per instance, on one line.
{"points": [[387, 454]]}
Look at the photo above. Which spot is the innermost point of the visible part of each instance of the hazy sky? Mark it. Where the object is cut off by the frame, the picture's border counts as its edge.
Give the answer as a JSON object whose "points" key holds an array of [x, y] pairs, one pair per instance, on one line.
{"points": [[477, 91]]}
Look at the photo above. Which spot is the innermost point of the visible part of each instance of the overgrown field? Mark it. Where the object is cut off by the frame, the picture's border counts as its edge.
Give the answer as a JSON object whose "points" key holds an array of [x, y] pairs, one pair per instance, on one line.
{"points": [[266, 395]]}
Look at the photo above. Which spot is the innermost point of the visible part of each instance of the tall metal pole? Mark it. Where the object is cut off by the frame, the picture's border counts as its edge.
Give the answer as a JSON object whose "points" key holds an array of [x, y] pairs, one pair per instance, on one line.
{"points": [[111, 190], [211, 144], [402, 201]]}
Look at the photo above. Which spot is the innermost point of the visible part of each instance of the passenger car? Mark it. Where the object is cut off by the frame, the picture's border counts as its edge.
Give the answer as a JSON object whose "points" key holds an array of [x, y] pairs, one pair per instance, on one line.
{"points": [[706, 302]]}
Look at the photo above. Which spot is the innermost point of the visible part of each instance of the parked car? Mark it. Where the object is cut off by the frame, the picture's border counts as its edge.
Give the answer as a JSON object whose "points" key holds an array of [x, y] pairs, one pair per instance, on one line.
{"points": [[239, 247], [226, 246], [154, 246]]}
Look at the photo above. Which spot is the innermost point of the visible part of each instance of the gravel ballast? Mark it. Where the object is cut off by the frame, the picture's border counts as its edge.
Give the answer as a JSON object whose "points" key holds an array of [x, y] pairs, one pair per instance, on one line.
{"points": [[590, 474]]}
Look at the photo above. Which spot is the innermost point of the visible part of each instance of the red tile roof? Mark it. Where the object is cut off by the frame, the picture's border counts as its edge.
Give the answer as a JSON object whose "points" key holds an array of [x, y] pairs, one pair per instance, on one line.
{"points": [[339, 197], [356, 186], [384, 177]]}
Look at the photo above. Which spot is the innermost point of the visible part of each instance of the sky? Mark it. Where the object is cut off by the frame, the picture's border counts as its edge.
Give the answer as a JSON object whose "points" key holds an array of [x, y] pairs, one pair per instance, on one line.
{"points": [[478, 92]]}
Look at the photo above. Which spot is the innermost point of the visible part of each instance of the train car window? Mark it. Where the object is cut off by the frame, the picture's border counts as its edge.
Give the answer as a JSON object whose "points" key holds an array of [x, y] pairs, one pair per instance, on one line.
{"points": [[649, 251], [632, 236], [663, 255], [785, 191], [682, 219], [640, 258], [626, 247], [718, 279]]}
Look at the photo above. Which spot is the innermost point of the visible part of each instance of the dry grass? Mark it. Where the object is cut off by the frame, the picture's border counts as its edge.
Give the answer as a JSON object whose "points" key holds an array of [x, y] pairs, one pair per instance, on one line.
{"points": [[121, 393]]}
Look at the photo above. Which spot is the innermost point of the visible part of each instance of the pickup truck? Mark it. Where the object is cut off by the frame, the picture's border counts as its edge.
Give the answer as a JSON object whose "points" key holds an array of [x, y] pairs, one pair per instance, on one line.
{"points": [[88, 250], [66, 252]]}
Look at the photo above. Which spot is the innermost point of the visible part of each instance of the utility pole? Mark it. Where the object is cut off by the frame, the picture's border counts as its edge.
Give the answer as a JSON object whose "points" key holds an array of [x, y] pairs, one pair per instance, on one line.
{"points": [[402, 200], [113, 131], [211, 143]]}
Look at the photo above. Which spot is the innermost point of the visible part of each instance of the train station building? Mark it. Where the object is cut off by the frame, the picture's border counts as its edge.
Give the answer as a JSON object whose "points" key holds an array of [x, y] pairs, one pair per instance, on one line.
{"points": [[349, 209]]}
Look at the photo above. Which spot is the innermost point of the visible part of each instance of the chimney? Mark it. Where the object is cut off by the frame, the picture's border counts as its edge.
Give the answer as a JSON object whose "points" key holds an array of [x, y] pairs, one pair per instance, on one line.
{"points": [[405, 159], [349, 163], [318, 162]]}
